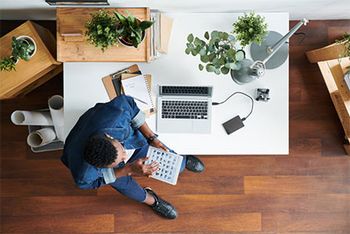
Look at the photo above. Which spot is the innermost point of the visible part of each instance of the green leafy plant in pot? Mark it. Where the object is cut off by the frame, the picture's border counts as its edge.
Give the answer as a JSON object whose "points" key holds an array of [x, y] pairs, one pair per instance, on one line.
{"points": [[101, 30], [250, 28], [131, 31], [346, 41], [23, 47], [217, 51]]}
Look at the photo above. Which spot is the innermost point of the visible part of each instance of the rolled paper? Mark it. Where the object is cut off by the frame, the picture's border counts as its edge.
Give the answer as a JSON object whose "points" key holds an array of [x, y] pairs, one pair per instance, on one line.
{"points": [[41, 137], [20, 117], [56, 110]]}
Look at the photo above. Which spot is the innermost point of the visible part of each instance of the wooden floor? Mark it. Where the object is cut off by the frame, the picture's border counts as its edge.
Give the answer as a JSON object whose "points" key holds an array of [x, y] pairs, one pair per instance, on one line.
{"points": [[305, 192]]}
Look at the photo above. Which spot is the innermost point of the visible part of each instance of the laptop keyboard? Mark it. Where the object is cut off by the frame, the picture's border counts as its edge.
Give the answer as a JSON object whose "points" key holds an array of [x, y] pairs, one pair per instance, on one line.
{"points": [[184, 109], [184, 90]]}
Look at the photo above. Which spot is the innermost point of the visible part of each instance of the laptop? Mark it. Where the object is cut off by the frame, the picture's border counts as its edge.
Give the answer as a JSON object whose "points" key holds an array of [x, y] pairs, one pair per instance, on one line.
{"points": [[184, 109]]}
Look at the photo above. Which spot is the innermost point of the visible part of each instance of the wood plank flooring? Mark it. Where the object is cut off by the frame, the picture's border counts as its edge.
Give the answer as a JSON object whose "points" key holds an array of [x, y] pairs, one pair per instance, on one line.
{"points": [[307, 191]]}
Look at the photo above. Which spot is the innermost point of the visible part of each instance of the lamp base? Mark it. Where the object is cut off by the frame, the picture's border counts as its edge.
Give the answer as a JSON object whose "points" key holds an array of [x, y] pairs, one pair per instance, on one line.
{"points": [[259, 52], [243, 75]]}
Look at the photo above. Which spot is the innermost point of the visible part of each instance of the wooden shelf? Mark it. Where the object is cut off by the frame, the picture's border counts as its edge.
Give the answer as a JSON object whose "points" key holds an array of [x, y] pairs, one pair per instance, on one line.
{"points": [[332, 51], [29, 74], [333, 74], [72, 45]]}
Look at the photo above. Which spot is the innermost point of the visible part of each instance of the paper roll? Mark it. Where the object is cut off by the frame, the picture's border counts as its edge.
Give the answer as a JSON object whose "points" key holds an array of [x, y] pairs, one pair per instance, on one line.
{"points": [[41, 137], [20, 117], [56, 110]]}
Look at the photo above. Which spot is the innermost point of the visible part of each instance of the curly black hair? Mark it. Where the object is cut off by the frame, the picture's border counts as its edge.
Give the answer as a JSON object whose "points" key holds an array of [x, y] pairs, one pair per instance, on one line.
{"points": [[99, 151]]}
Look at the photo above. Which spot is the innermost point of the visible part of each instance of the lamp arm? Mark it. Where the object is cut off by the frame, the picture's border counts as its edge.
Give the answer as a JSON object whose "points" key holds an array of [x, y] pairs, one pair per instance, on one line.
{"points": [[272, 50]]}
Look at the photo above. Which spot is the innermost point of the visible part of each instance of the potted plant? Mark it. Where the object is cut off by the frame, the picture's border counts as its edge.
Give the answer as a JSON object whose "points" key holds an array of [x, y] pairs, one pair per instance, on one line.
{"points": [[23, 47], [250, 28], [345, 41], [218, 52], [340, 48], [130, 30], [101, 30]]}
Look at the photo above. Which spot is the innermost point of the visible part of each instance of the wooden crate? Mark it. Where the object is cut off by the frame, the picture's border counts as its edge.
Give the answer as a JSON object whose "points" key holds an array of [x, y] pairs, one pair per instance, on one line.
{"points": [[72, 44], [29, 74], [332, 51], [333, 74]]}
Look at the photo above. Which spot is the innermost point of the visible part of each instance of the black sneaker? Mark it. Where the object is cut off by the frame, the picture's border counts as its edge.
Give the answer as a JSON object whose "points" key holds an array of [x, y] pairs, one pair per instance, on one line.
{"points": [[162, 207], [194, 164]]}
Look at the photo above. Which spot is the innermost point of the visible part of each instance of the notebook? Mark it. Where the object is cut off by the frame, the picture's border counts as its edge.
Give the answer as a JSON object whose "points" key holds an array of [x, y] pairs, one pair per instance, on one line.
{"points": [[137, 87], [113, 84], [169, 165]]}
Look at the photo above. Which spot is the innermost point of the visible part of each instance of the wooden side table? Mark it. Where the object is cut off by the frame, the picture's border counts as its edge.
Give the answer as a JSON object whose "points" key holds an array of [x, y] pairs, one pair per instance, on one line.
{"points": [[72, 45], [29, 74]]}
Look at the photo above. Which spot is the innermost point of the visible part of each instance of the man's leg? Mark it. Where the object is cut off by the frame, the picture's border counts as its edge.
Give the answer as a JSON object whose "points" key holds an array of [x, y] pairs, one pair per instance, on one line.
{"points": [[192, 163], [127, 186]]}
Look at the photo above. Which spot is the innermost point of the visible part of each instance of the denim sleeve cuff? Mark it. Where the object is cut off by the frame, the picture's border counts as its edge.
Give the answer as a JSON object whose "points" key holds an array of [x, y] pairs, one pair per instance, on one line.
{"points": [[138, 120], [108, 175]]}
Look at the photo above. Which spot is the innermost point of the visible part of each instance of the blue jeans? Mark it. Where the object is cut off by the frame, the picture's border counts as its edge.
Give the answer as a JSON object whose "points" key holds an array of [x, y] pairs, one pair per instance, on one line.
{"points": [[127, 186]]}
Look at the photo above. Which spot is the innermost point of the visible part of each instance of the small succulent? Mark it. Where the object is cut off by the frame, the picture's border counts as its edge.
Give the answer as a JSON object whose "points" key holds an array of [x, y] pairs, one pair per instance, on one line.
{"points": [[130, 29], [101, 30], [8, 64], [218, 52], [346, 41], [250, 28]]}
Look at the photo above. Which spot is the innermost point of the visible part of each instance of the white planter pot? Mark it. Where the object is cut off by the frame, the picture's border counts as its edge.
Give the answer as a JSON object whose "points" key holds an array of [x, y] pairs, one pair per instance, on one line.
{"points": [[28, 40]]}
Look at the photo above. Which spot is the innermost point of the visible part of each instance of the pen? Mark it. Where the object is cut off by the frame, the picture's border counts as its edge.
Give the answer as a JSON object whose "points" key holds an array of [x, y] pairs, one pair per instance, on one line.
{"points": [[140, 100]]}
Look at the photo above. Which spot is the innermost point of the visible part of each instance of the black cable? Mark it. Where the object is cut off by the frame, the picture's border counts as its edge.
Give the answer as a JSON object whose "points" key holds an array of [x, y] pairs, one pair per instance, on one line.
{"points": [[251, 110]]}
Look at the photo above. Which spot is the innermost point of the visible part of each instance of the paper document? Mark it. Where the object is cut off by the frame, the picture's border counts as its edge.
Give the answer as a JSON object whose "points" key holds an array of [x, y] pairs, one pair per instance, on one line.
{"points": [[136, 87]]}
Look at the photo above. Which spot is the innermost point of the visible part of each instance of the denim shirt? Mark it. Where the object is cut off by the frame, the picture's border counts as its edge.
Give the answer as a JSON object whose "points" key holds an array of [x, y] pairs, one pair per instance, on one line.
{"points": [[119, 118]]}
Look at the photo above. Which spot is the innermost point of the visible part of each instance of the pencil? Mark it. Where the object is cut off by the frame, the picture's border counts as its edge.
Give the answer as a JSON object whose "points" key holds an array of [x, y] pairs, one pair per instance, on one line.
{"points": [[140, 100]]}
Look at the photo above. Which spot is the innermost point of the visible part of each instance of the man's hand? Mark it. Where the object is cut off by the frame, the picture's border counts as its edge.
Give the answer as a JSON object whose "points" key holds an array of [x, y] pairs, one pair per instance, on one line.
{"points": [[139, 168], [158, 144]]}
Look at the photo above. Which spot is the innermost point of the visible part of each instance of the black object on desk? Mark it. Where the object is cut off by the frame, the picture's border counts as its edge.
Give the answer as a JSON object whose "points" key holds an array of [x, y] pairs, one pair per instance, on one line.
{"points": [[233, 124]]}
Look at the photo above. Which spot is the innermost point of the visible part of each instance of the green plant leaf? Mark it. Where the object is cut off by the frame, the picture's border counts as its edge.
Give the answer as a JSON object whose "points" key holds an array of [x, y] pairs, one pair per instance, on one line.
{"points": [[203, 51], [231, 38], [214, 35], [205, 58], [206, 35], [212, 56], [190, 38], [225, 36], [194, 52], [217, 71], [233, 66], [121, 18], [210, 68], [200, 66], [187, 50], [145, 24], [225, 70]]}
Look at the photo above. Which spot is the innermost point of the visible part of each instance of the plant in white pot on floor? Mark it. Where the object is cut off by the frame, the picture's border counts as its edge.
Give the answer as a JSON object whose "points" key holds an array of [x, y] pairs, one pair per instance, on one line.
{"points": [[23, 47]]}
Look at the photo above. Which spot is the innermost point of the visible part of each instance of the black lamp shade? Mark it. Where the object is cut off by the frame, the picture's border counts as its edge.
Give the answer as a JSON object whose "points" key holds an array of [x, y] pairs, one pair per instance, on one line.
{"points": [[77, 2]]}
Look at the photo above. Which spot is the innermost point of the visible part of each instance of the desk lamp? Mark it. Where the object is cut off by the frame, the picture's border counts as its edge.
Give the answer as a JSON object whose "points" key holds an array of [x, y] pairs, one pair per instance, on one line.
{"points": [[265, 56]]}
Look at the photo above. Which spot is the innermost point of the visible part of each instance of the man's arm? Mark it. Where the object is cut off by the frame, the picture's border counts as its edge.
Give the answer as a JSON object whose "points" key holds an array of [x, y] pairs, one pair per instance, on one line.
{"points": [[151, 137]]}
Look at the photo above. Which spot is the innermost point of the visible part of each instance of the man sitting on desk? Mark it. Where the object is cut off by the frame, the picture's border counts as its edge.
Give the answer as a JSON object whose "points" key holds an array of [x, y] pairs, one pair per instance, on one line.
{"points": [[103, 138]]}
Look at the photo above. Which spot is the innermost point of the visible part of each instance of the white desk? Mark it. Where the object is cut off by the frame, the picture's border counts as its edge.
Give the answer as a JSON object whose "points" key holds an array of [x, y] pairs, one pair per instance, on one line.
{"points": [[265, 131]]}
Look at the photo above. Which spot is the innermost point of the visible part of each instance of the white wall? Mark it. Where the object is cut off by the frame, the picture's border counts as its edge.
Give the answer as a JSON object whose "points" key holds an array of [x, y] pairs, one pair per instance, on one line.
{"points": [[311, 9]]}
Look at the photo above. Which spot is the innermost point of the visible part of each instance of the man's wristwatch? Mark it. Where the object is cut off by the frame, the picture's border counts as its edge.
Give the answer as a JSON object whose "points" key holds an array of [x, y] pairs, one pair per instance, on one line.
{"points": [[151, 138]]}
